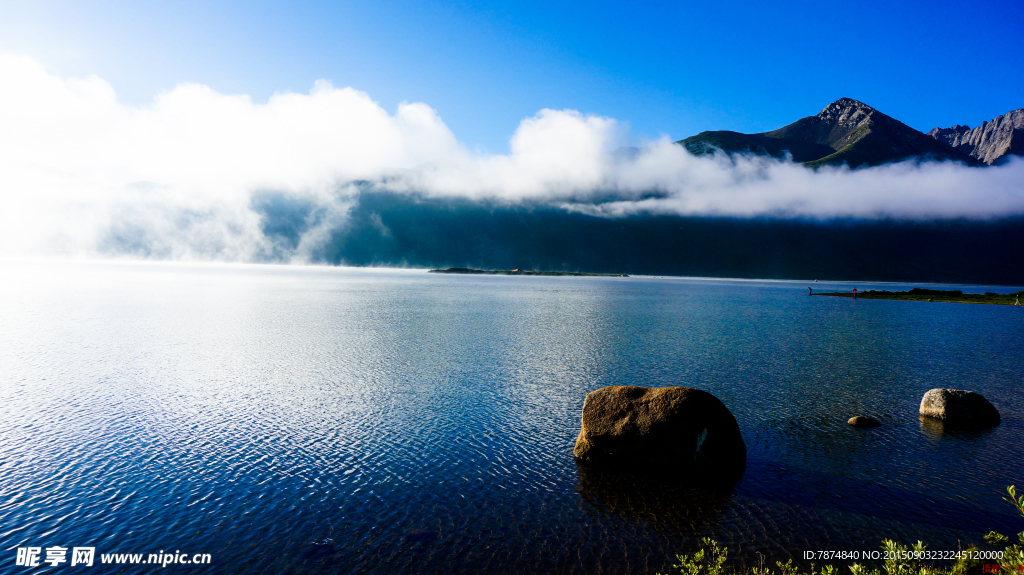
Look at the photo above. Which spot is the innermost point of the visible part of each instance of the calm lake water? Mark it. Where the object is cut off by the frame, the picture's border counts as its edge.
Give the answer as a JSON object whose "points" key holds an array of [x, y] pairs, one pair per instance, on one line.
{"points": [[420, 423]]}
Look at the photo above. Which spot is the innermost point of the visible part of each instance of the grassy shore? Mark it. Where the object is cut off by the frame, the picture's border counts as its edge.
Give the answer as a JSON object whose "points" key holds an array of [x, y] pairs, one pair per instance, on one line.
{"points": [[934, 295], [518, 272]]}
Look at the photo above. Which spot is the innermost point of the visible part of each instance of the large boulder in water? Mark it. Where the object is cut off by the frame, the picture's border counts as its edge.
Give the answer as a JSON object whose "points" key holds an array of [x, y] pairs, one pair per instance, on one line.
{"points": [[959, 407], [676, 429]]}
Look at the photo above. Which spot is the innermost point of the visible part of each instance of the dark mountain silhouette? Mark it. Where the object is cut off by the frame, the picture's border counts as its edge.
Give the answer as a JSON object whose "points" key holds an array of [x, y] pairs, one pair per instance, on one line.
{"points": [[845, 132], [388, 229]]}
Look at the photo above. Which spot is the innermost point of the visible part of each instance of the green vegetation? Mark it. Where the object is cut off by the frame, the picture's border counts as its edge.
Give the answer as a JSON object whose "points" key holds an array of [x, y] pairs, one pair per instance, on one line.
{"points": [[934, 295], [518, 272], [760, 144], [865, 148], [898, 559]]}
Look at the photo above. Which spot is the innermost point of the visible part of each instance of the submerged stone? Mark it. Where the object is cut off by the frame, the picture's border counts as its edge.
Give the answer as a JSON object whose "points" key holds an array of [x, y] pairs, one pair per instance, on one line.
{"points": [[661, 429], [863, 421]]}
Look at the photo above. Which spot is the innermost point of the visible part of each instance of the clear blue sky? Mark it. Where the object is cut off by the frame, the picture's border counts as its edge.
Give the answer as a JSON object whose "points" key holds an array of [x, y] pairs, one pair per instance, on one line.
{"points": [[672, 68]]}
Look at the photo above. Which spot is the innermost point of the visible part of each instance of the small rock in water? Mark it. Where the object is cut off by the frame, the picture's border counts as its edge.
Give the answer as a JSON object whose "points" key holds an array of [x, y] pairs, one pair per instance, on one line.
{"points": [[668, 428], [421, 537], [959, 407], [864, 421]]}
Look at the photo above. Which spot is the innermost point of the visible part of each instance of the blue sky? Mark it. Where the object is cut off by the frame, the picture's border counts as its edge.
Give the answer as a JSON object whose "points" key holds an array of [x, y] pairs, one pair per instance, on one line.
{"points": [[662, 68]]}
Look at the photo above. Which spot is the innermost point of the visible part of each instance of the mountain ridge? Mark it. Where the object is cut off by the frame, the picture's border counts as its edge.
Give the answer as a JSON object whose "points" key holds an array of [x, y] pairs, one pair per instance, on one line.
{"points": [[844, 132], [992, 142]]}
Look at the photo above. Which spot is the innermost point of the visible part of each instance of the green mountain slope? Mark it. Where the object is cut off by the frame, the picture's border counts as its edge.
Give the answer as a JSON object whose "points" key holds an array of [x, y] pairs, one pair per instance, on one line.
{"points": [[845, 132], [707, 142]]}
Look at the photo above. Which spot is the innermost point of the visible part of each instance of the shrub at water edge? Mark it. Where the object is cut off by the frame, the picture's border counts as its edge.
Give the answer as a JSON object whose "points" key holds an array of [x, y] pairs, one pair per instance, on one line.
{"points": [[900, 560]]}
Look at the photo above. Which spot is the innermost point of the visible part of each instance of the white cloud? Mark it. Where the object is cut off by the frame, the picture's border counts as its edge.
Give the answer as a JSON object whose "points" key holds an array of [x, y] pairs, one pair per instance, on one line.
{"points": [[753, 185], [176, 178], [74, 161], [554, 153]]}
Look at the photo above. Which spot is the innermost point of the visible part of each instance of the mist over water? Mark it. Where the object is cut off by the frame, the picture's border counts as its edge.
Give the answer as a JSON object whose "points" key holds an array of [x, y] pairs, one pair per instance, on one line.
{"points": [[200, 175], [393, 229]]}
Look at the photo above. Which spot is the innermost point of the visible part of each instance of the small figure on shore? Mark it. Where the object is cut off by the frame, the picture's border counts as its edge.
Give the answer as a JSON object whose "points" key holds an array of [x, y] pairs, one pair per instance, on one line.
{"points": [[810, 291], [854, 293], [1017, 302]]}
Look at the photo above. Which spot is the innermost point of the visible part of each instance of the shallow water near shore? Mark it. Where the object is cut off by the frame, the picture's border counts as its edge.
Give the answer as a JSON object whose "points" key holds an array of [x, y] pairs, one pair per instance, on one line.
{"points": [[307, 420]]}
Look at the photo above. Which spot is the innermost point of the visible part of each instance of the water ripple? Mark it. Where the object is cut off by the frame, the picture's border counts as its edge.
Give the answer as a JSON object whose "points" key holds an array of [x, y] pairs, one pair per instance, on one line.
{"points": [[294, 420]]}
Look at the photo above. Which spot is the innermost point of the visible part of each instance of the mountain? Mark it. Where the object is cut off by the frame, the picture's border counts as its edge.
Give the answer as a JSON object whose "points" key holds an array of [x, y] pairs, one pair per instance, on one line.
{"points": [[991, 142], [845, 132]]}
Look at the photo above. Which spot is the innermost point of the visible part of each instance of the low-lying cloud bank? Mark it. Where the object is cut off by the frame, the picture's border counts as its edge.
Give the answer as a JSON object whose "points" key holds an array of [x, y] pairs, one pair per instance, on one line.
{"points": [[184, 177]]}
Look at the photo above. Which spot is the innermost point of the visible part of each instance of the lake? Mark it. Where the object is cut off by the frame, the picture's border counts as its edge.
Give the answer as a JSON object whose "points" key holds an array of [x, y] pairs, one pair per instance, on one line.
{"points": [[289, 419]]}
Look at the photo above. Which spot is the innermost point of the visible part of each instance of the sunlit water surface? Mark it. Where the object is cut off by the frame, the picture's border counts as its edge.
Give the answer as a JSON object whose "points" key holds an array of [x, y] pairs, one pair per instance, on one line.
{"points": [[420, 423]]}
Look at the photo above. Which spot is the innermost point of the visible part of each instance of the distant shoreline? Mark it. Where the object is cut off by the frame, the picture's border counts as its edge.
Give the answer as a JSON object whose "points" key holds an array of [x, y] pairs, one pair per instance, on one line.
{"points": [[518, 272], [934, 295]]}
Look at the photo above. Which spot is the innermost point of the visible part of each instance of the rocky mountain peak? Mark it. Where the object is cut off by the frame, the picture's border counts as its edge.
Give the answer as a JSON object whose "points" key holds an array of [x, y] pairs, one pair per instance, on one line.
{"points": [[990, 142], [957, 129], [846, 112]]}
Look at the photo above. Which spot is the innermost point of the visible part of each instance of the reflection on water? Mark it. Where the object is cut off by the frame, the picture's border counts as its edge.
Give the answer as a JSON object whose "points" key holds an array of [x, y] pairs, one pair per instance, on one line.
{"points": [[939, 429], [306, 420], [661, 500]]}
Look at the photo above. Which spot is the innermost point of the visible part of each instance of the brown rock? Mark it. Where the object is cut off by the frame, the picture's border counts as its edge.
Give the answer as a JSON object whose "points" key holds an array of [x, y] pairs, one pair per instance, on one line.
{"points": [[959, 407], [676, 428], [864, 421]]}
